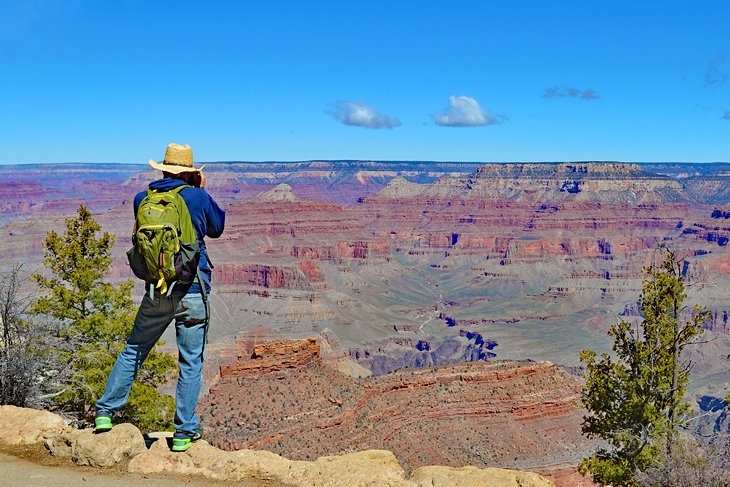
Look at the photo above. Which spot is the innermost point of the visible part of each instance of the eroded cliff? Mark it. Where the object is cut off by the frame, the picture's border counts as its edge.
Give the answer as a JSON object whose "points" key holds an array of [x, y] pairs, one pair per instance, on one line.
{"points": [[284, 398]]}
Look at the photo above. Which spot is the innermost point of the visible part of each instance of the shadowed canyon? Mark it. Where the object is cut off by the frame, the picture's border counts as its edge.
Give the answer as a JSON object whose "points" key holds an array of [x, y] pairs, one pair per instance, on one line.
{"points": [[449, 301]]}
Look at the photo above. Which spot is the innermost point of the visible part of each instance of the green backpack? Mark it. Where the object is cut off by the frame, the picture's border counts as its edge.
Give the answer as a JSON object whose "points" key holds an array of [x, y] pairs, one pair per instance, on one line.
{"points": [[165, 247]]}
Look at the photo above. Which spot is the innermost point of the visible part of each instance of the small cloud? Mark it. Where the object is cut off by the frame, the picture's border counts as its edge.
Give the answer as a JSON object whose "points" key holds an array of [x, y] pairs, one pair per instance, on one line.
{"points": [[569, 92], [360, 114], [726, 116], [465, 112], [717, 70], [590, 95]]}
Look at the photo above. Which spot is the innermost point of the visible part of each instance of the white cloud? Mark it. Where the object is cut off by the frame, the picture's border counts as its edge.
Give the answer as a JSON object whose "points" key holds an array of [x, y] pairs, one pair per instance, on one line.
{"points": [[360, 114], [464, 112]]}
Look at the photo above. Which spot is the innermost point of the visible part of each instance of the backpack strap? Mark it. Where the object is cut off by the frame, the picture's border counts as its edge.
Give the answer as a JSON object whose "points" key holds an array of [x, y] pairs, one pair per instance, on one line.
{"points": [[206, 303], [180, 188], [203, 248]]}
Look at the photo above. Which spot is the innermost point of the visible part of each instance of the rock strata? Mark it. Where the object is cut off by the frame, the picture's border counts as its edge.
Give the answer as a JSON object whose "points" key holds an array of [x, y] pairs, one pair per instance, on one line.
{"points": [[518, 248], [586, 181], [273, 356], [507, 414]]}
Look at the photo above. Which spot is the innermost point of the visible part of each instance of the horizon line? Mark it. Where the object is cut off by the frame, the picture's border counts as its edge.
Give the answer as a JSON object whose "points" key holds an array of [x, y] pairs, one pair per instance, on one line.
{"points": [[397, 161]]}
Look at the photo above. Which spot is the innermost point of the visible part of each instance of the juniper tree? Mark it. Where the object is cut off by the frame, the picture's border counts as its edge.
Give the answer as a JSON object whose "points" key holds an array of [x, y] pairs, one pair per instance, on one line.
{"points": [[94, 318], [635, 400]]}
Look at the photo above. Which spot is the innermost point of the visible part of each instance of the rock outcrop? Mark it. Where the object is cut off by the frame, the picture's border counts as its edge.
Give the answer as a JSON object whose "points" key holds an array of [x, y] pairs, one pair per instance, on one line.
{"points": [[21, 426], [713, 229], [262, 276], [513, 414], [282, 192], [275, 356], [364, 468], [84, 447]]}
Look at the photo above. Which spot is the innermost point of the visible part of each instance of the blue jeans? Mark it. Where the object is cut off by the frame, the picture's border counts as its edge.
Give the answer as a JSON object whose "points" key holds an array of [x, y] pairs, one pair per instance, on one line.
{"points": [[153, 316]]}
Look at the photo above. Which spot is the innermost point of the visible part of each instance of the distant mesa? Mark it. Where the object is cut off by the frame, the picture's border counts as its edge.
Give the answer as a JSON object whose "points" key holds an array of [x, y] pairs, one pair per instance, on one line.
{"points": [[282, 192], [595, 182], [598, 170], [400, 187], [599, 182]]}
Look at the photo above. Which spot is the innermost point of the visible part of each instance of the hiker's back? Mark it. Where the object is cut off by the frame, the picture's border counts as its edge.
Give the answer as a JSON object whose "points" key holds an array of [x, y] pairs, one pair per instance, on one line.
{"points": [[165, 245], [207, 217]]}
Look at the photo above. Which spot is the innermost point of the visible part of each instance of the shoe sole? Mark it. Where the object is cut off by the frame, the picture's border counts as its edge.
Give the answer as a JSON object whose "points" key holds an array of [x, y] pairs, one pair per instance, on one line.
{"points": [[181, 444], [102, 424]]}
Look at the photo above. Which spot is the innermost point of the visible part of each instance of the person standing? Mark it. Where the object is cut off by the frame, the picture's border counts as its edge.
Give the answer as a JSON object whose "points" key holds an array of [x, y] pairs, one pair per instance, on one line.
{"points": [[187, 304]]}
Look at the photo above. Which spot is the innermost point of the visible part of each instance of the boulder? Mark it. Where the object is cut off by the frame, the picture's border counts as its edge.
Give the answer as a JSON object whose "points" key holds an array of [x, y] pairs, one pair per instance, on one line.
{"points": [[365, 468], [62, 444], [22, 426], [84, 447], [470, 476]]}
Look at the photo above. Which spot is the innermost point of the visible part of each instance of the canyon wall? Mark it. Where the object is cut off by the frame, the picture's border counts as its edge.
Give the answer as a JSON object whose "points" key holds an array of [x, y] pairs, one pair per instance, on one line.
{"points": [[404, 261], [285, 398]]}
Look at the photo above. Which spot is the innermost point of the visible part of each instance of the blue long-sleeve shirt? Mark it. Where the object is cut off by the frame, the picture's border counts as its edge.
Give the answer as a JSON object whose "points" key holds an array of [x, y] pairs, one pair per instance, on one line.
{"points": [[208, 219]]}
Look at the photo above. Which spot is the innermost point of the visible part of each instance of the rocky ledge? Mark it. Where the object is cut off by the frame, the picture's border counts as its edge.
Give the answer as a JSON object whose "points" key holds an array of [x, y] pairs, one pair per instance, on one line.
{"points": [[19, 426], [275, 356]]}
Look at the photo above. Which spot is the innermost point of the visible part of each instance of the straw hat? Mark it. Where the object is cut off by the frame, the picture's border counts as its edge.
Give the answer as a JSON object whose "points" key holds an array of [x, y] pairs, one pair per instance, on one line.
{"points": [[178, 158]]}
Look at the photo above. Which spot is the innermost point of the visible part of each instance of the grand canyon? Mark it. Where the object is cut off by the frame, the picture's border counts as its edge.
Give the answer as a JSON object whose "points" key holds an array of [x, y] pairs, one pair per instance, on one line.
{"points": [[434, 309]]}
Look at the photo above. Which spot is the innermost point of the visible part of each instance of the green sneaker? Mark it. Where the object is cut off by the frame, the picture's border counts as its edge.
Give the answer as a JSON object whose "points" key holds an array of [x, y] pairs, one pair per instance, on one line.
{"points": [[181, 440], [102, 422]]}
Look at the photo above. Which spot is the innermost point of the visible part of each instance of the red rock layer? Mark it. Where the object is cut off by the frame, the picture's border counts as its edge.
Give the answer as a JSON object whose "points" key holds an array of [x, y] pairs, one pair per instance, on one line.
{"points": [[258, 275], [274, 356], [509, 414]]}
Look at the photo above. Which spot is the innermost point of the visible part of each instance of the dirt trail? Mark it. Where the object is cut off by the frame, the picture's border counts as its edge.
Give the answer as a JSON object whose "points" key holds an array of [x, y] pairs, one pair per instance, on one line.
{"points": [[19, 472]]}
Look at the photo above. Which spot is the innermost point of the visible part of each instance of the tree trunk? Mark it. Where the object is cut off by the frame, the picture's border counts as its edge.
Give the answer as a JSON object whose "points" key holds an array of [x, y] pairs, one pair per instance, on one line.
{"points": [[675, 376]]}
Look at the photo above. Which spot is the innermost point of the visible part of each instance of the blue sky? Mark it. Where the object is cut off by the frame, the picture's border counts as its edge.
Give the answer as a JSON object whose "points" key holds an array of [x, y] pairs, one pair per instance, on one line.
{"points": [[117, 81]]}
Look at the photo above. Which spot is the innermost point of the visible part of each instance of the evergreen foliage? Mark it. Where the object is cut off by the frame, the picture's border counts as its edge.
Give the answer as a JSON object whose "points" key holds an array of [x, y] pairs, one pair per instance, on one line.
{"points": [[635, 401], [94, 319]]}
